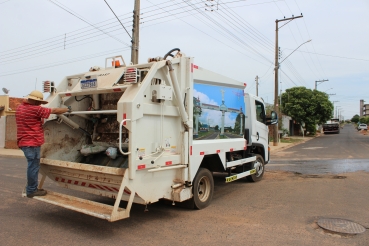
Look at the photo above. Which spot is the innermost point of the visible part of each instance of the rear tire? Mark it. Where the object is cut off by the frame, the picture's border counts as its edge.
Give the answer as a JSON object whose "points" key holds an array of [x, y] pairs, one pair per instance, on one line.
{"points": [[203, 188], [259, 166]]}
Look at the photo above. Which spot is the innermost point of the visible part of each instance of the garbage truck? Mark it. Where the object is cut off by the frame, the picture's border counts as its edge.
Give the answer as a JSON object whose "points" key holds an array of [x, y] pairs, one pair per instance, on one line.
{"points": [[134, 134]]}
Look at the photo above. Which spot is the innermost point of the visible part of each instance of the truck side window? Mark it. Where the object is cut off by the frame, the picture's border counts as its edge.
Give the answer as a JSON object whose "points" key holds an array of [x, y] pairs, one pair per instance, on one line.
{"points": [[260, 114]]}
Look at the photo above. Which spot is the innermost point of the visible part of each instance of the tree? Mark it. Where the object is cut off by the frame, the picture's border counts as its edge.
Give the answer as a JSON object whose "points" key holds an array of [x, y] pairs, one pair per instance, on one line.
{"points": [[364, 120], [307, 106], [356, 118], [237, 123]]}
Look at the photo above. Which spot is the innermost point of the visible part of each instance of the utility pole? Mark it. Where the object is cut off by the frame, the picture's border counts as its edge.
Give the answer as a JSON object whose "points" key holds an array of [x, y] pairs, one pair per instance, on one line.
{"points": [[257, 85], [334, 116], [320, 81], [135, 33], [276, 106], [280, 101], [337, 111]]}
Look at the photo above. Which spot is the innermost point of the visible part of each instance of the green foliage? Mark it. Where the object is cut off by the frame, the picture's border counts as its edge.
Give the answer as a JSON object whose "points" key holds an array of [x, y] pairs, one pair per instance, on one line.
{"points": [[364, 120], [305, 105], [269, 109], [356, 118]]}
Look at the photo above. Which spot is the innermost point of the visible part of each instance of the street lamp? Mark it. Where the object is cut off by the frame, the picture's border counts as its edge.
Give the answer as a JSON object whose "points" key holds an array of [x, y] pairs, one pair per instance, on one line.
{"points": [[276, 68], [295, 50]]}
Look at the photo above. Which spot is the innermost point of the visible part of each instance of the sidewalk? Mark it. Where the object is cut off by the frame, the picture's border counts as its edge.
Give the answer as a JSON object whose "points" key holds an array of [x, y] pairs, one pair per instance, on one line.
{"points": [[282, 146], [11, 152]]}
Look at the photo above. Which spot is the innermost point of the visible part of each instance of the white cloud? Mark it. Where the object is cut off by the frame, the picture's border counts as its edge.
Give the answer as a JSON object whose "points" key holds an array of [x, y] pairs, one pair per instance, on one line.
{"points": [[204, 98]]}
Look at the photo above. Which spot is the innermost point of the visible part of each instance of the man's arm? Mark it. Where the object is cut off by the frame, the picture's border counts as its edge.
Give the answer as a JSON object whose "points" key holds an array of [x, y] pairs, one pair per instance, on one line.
{"points": [[59, 110]]}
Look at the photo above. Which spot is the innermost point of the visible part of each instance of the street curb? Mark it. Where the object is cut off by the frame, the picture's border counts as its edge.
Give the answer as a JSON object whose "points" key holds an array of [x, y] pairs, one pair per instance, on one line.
{"points": [[18, 156], [294, 144]]}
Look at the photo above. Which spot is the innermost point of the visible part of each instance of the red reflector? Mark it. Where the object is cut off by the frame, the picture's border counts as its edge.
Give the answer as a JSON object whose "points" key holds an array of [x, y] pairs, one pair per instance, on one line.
{"points": [[68, 94], [190, 150], [245, 84], [124, 117], [117, 89], [244, 148], [231, 150], [143, 166], [167, 163], [202, 153], [191, 67], [218, 150], [195, 67]]}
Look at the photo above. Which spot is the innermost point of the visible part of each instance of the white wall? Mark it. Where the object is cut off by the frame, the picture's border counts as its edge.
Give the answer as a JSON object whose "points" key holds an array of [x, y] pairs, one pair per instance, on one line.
{"points": [[2, 131], [286, 122]]}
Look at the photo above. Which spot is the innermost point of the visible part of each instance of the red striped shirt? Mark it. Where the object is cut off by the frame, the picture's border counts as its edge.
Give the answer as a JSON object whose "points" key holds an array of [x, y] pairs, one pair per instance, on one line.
{"points": [[29, 124]]}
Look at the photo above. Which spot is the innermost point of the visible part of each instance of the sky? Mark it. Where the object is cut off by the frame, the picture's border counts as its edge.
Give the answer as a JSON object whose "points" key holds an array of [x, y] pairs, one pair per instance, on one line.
{"points": [[50, 39]]}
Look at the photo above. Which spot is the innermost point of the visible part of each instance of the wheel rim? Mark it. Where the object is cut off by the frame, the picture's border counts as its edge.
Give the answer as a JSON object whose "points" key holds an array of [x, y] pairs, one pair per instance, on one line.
{"points": [[259, 168], [203, 189]]}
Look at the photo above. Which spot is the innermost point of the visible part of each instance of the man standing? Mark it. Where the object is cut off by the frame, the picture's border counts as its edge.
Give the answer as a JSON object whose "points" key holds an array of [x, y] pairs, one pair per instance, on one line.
{"points": [[30, 136]]}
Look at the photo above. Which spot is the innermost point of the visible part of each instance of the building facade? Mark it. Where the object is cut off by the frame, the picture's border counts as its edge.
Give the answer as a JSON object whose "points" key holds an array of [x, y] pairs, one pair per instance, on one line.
{"points": [[8, 128]]}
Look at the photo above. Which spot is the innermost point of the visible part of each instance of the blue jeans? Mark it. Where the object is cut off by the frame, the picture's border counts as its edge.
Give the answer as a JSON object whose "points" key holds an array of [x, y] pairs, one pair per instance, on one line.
{"points": [[33, 158]]}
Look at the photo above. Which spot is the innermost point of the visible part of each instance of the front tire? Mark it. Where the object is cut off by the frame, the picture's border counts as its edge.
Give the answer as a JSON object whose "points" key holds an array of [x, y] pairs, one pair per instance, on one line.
{"points": [[259, 165], [203, 188]]}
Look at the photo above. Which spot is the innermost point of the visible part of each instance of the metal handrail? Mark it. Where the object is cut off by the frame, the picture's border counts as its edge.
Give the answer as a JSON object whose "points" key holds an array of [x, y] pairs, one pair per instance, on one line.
{"points": [[120, 137]]}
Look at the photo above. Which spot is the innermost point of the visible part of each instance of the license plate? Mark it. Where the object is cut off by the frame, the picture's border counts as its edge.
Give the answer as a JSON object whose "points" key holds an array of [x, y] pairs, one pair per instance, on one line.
{"points": [[89, 83]]}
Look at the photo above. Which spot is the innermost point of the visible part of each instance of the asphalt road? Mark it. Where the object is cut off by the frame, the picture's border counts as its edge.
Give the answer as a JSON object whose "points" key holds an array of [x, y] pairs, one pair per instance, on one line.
{"points": [[282, 209], [329, 153], [212, 135]]}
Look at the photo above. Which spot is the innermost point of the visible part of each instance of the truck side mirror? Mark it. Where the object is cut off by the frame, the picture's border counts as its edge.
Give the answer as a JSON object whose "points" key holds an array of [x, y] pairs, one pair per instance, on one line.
{"points": [[273, 119]]}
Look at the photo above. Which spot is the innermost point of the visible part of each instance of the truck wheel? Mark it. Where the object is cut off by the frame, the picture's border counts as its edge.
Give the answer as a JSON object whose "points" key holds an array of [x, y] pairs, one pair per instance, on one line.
{"points": [[203, 188], [258, 165]]}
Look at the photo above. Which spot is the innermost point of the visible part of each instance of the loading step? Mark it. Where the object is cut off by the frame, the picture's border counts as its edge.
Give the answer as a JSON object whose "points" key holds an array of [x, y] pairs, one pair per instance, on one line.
{"points": [[88, 207]]}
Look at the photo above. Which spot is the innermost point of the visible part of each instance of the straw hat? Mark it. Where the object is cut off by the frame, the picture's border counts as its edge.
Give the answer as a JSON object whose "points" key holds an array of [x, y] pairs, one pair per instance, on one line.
{"points": [[37, 96]]}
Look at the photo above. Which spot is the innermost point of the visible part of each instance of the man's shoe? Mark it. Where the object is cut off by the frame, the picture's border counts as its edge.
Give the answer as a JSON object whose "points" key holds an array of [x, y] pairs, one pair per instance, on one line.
{"points": [[37, 193]]}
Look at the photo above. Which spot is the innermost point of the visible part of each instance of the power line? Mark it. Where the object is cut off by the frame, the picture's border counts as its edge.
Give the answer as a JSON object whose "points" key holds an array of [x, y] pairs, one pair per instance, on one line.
{"points": [[288, 77], [5, 1], [219, 25], [321, 67], [117, 18], [70, 12], [231, 47], [48, 65], [56, 47], [250, 27], [342, 57]]}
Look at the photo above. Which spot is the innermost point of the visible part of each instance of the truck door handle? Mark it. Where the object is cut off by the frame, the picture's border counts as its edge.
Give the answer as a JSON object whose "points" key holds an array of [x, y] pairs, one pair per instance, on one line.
{"points": [[120, 137], [257, 134]]}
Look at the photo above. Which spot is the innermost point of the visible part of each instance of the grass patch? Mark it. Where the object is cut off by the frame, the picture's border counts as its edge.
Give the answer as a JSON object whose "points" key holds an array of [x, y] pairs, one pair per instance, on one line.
{"points": [[289, 140]]}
